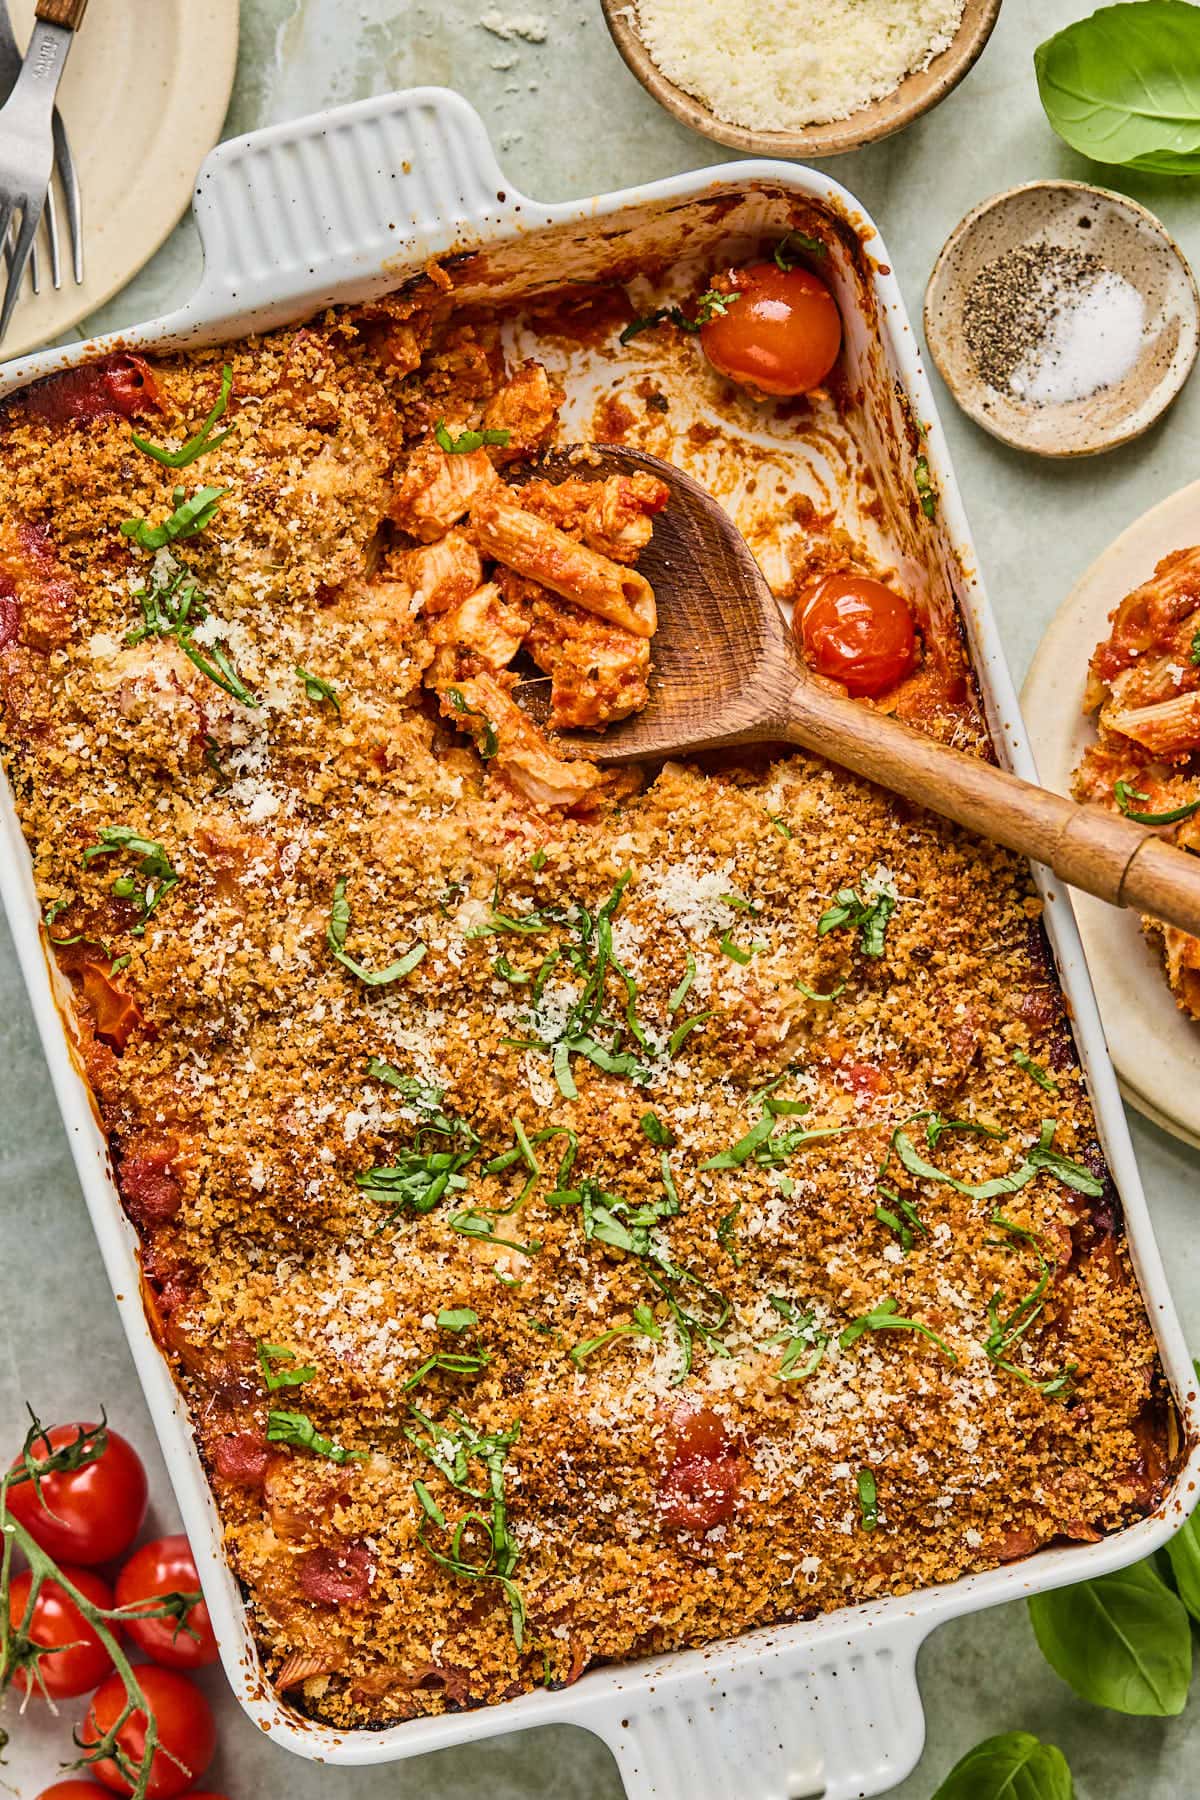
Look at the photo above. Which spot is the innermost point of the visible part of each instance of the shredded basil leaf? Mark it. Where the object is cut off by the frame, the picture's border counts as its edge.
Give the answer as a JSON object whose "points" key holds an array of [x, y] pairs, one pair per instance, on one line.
{"points": [[276, 1363], [868, 1500], [335, 938], [869, 917], [203, 441], [298, 1430], [466, 441], [1124, 793], [317, 688], [191, 516], [1036, 1072]]}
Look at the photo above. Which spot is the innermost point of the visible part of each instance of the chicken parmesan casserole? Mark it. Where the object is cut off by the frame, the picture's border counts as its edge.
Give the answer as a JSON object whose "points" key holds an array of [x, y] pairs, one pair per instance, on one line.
{"points": [[586, 1213], [1144, 688]]}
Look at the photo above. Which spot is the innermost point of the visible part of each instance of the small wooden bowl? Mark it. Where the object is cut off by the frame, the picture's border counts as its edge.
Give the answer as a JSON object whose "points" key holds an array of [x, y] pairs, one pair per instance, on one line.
{"points": [[1127, 240], [915, 94]]}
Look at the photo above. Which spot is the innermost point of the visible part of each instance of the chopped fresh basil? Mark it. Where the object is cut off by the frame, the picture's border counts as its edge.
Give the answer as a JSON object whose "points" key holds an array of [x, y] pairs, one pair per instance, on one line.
{"points": [[1035, 1071], [1194, 654], [644, 1325], [725, 1230], [452, 1452], [658, 1133], [449, 1362], [781, 825], [191, 516], [487, 741], [811, 993], [684, 1030], [457, 1318], [737, 952], [885, 1316], [1006, 1330], [172, 606], [785, 258], [203, 441], [711, 305], [477, 1225], [154, 877], [900, 1217], [276, 1363], [298, 1430], [679, 994], [869, 917], [1040, 1159], [1124, 793], [466, 441], [804, 1343], [868, 1500], [317, 688], [335, 938], [926, 491]]}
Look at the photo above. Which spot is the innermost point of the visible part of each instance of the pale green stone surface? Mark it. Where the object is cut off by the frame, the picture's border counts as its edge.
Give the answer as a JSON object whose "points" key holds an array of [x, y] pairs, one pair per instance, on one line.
{"points": [[567, 119]]}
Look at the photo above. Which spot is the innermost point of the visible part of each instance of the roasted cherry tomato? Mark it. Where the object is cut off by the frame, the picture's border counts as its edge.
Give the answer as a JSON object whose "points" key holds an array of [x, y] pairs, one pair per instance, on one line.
{"points": [[782, 333], [87, 1515], [80, 1659], [185, 1730], [76, 1790], [167, 1566], [855, 631]]}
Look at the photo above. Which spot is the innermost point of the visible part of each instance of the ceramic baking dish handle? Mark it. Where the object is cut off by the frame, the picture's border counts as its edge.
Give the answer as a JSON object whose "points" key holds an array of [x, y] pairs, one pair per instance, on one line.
{"points": [[290, 215], [841, 1719]]}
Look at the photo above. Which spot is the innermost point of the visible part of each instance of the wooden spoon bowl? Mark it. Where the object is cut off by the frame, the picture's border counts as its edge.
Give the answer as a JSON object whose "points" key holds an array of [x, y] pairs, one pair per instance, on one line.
{"points": [[726, 671]]}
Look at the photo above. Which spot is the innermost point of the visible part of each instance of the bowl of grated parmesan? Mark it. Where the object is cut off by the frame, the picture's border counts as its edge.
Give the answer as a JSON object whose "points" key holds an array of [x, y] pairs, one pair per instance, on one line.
{"points": [[806, 79]]}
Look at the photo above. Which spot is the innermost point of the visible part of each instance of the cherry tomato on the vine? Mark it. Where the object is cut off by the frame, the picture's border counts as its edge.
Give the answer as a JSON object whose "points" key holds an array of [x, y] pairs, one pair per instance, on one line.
{"points": [[88, 1515], [185, 1731], [74, 1790], [79, 1660], [855, 631], [166, 1566], [782, 333]]}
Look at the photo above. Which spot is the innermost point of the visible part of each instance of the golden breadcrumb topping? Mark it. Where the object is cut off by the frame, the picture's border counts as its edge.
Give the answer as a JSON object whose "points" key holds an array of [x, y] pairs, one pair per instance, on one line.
{"points": [[579, 1227]]}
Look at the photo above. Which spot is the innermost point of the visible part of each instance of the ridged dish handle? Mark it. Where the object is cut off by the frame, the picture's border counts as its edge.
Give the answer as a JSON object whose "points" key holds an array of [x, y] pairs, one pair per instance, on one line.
{"points": [[840, 1719], [292, 213]]}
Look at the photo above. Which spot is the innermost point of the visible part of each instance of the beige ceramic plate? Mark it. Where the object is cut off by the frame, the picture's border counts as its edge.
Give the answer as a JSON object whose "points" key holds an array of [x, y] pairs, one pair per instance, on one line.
{"points": [[1155, 1047], [1129, 241], [144, 97], [915, 94]]}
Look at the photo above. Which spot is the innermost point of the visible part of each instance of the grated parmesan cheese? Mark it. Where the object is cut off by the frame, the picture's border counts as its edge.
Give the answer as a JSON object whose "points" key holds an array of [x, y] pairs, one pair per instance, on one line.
{"points": [[769, 67]]}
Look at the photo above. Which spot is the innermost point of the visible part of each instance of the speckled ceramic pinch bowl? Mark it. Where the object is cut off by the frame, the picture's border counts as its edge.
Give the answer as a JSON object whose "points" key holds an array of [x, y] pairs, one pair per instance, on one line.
{"points": [[1129, 243]]}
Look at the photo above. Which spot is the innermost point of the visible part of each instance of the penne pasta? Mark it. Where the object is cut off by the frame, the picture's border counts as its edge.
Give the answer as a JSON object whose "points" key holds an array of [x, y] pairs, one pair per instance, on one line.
{"points": [[545, 554]]}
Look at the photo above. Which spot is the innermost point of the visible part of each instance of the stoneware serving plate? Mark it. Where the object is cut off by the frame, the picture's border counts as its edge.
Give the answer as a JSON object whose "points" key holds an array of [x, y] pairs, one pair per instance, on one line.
{"points": [[1126, 240], [144, 97], [1154, 1047], [915, 94]]}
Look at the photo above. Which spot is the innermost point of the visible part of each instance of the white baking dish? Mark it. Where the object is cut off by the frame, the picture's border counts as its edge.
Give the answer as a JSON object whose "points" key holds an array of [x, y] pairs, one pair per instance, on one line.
{"points": [[339, 207]]}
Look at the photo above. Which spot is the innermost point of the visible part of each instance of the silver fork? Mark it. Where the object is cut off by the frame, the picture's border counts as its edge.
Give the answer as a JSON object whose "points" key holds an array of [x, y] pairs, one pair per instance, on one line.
{"points": [[29, 142]]}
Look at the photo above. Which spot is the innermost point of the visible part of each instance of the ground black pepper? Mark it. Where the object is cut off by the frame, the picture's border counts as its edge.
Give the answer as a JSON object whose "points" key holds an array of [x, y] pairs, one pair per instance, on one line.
{"points": [[1013, 301]]}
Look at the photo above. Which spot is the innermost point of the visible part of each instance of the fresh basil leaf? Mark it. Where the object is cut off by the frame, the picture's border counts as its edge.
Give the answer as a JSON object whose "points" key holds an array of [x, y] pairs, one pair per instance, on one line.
{"points": [[1013, 1766], [298, 1430], [785, 250], [1183, 1552], [467, 441], [203, 441], [1123, 86], [457, 1318], [1121, 1641], [192, 514], [335, 938], [1124, 792], [318, 689]]}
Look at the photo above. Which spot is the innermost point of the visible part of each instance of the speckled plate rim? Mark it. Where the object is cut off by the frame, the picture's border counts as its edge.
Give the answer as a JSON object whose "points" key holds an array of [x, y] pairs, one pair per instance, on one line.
{"points": [[1155, 1049], [1167, 391], [180, 98]]}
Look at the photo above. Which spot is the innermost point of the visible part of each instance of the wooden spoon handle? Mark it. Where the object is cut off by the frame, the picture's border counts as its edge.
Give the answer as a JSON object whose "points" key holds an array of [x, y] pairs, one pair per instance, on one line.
{"points": [[1098, 851], [62, 12]]}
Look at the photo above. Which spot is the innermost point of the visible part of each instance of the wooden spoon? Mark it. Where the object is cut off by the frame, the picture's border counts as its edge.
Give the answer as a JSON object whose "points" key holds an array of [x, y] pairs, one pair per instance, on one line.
{"points": [[727, 672]]}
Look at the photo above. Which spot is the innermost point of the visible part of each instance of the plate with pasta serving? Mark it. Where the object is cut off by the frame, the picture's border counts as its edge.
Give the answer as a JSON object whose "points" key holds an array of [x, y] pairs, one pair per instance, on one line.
{"points": [[1123, 730]]}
